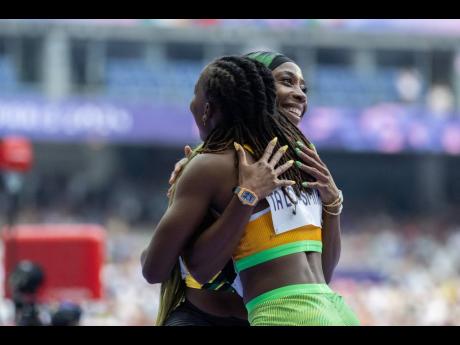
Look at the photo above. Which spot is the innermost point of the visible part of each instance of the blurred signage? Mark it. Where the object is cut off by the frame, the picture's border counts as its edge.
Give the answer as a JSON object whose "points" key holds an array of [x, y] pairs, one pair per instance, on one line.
{"points": [[77, 121], [387, 128]]}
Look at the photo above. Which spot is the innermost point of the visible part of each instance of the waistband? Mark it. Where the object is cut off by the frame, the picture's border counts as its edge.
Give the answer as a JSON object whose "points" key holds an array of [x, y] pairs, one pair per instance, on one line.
{"points": [[276, 252], [295, 289]]}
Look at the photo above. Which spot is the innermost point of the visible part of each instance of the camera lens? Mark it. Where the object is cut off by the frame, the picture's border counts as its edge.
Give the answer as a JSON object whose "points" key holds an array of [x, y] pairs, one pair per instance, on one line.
{"points": [[26, 277]]}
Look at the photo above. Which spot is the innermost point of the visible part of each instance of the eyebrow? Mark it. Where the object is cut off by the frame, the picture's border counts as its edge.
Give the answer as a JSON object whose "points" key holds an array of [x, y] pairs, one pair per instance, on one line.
{"points": [[292, 75]]}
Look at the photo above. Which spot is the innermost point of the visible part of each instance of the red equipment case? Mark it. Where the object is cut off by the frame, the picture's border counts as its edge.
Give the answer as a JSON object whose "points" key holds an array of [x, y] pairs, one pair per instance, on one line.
{"points": [[71, 257]]}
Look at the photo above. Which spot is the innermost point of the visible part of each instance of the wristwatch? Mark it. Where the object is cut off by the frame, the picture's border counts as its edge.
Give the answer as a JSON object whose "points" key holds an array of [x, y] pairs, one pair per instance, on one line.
{"points": [[246, 196]]}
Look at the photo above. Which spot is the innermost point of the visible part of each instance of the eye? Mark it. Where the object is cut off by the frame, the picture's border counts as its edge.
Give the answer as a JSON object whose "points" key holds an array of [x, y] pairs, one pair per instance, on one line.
{"points": [[287, 81], [304, 89]]}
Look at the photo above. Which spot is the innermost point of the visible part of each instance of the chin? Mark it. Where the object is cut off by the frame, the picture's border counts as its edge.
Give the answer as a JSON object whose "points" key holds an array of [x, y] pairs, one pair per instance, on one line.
{"points": [[294, 119]]}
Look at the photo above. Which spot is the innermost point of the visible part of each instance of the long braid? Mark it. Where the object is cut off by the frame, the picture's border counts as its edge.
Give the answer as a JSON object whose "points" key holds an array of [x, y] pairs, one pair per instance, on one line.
{"points": [[281, 121], [259, 86], [172, 290], [245, 92]]}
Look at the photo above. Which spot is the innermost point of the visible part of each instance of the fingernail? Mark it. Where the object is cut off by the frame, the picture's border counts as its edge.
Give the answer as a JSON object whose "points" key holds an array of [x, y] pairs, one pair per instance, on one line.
{"points": [[297, 151], [237, 146], [284, 148], [312, 147], [299, 143], [291, 162], [274, 140], [298, 164], [292, 182], [304, 184]]}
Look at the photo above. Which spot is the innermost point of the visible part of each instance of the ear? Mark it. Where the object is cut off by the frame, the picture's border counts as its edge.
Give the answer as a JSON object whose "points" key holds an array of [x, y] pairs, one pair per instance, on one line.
{"points": [[207, 109], [208, 113], [212, 113]]}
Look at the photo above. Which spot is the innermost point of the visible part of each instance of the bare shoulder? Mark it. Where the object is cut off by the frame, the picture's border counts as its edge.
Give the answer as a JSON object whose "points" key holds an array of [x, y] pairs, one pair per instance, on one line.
{"points": [[209, 162], [209, 169]]}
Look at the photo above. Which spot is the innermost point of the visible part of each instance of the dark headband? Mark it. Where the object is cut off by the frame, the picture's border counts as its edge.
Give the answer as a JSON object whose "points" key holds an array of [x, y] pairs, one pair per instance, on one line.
{"points": [[270, 59]]}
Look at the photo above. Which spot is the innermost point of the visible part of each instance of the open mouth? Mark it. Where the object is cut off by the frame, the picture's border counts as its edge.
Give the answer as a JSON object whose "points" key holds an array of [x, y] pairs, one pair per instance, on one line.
{"points": [[293, 111]]}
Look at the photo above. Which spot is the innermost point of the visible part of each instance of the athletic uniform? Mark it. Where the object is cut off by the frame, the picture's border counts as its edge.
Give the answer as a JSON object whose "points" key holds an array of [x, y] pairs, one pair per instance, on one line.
{"points": [[187, 314], [284, 229], [273, 233]]}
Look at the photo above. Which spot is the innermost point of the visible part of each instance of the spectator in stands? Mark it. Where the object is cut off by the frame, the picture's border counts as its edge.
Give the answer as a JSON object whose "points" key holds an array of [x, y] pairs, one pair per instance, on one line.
{"points": [[440, 100], [409, 85]]}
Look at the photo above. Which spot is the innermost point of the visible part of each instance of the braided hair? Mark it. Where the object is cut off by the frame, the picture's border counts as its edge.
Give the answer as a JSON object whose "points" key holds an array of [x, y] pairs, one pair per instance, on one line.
{"points": [[244, 91], [172, 291]]}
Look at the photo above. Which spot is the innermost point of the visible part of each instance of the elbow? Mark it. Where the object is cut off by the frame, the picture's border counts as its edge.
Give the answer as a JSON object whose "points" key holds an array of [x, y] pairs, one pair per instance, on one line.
{"points": [[151, 272], [328, 274], [151, 276], [151, 279]]}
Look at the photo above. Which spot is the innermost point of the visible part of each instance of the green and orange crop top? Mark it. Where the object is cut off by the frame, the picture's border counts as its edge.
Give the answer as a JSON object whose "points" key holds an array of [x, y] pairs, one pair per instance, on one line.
{"points": [[277, 231], [281, 229]]}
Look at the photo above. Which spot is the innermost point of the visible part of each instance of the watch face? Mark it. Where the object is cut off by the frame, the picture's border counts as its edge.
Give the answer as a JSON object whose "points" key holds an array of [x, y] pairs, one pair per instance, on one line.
{"points": [[249, 197]]}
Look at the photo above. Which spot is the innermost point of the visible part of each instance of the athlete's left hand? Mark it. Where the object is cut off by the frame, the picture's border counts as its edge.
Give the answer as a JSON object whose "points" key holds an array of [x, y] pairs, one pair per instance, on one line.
{"points": [[312, 164]]}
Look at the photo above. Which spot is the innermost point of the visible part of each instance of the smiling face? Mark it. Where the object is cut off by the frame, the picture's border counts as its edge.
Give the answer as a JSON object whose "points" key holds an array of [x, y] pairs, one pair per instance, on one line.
{"points": [[290, 91]]}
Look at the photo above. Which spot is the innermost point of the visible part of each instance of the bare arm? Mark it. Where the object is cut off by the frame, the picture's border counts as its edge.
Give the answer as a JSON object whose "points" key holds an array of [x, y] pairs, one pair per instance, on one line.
{"points": [[331, 245], [191, 202], [212, 250], [329, 192]]}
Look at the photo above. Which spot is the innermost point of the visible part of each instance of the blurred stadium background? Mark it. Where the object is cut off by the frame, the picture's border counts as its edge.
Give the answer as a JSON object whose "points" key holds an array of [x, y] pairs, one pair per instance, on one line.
{"points": [[105, 105]]}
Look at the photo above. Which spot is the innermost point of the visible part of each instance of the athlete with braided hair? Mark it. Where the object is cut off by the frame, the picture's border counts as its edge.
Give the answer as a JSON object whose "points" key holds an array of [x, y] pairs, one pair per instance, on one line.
{"points": [[278, 254], [291, 102], [236, 97], [247, 107]]}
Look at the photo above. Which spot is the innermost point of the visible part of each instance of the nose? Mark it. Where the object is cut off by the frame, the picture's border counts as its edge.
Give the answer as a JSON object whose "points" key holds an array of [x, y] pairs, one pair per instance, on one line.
{"points": [[300, 96]]}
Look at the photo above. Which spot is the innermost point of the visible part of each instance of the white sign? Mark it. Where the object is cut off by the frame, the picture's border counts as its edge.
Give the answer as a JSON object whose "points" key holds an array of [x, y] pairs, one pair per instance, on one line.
{"points": [[286, 216]]}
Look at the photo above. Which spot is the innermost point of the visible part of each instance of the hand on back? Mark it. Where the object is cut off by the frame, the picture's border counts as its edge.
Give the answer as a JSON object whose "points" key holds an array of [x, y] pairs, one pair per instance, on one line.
{"points": [[261, 177]]}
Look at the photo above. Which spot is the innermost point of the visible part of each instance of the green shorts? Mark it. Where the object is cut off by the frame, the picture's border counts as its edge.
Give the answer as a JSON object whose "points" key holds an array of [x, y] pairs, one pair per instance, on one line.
{"points": [[300, 305]]}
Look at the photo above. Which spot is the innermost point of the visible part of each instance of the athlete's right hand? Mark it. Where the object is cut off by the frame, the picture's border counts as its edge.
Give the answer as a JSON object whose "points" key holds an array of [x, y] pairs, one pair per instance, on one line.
{"points": [[261, 177], [178, 167]]}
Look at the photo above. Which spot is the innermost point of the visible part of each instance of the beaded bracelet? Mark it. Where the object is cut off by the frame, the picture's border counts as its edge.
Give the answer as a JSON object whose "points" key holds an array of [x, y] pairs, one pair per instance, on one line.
{"points": [[337, 202], [333, 213]]}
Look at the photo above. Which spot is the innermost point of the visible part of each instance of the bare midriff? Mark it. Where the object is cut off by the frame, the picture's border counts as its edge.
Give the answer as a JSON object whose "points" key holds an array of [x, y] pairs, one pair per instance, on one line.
{"points": [[297, 268]]}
